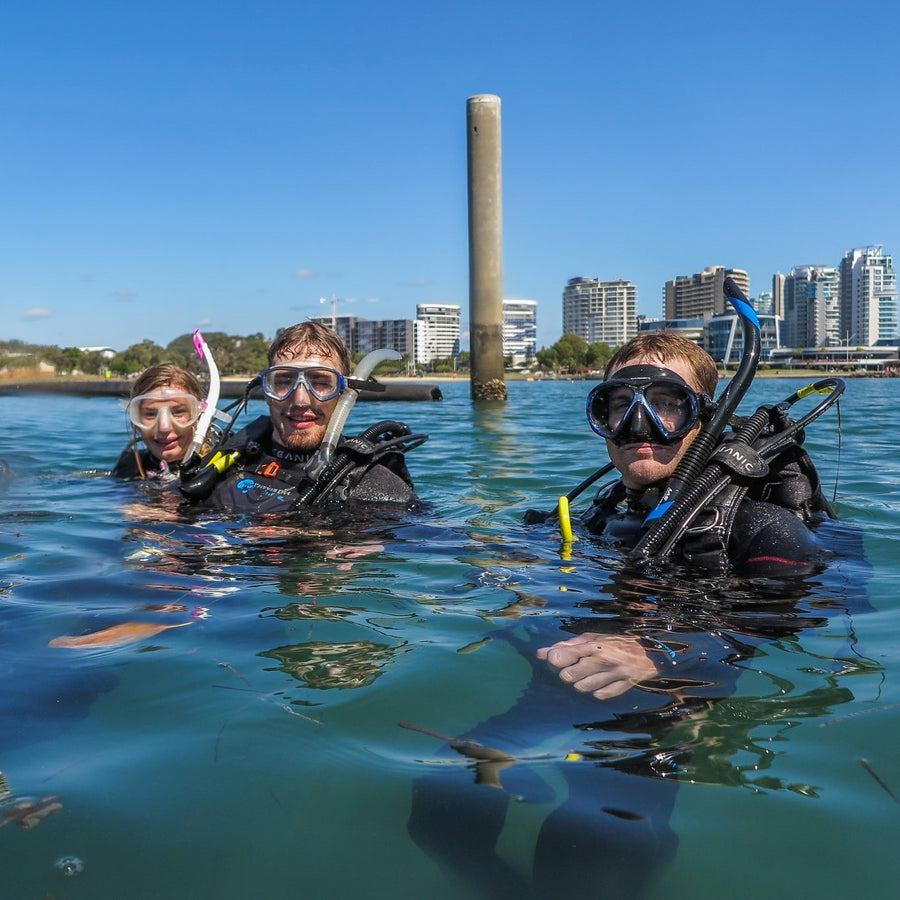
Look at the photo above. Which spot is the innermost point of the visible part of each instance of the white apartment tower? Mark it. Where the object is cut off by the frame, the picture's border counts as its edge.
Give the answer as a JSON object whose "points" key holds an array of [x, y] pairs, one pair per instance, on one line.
{"points": [[437, 331], [600, 312], [812, 309], [519, 330], [868, 297]]}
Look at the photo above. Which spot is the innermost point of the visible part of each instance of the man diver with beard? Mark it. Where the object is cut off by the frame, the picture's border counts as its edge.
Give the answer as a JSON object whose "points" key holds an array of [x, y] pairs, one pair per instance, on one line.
{"points": [[276, 463]]}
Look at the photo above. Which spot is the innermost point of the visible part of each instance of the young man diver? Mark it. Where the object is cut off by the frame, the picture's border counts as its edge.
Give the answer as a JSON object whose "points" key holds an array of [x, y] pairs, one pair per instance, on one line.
{"points": [[657, 389], [295, 457], [651, 648]]}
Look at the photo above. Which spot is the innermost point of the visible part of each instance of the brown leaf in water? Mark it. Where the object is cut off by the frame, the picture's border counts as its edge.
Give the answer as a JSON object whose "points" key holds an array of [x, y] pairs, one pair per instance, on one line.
{"points": [[28, 813], [116, 636]]}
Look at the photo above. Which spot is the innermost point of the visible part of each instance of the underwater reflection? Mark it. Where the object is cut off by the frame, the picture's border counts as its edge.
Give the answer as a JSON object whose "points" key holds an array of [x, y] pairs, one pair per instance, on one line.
{"points": [[622, 759]]}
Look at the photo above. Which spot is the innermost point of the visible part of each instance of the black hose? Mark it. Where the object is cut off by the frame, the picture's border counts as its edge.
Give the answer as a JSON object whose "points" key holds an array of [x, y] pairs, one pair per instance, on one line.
{"points": [[537, 516], [717, 471], [663, 519]]}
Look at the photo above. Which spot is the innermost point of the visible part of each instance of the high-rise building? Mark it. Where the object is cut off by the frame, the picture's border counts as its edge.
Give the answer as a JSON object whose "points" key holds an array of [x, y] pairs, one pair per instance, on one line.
{"points": [[437, 331], [868, 297], [778, 294], [345, 326], [702, 295], [600, 311], [763, 303], [519, 330], [812, 307], [365, 335]]}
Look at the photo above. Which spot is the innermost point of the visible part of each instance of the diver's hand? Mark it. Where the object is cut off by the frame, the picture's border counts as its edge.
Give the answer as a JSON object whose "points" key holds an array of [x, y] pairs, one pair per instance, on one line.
{"points": [[605, 665]]}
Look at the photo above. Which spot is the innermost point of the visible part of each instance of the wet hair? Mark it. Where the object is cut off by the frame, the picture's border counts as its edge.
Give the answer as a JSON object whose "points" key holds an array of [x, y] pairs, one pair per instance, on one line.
{"points": [[166, 375], [311, 337], [666, 346]]}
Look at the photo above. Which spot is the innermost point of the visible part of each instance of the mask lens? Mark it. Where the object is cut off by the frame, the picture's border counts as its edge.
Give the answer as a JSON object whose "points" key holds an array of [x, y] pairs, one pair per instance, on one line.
{"points": [[608, 405], [323, 383], [672, 405], [164, 410], [280, 382]]}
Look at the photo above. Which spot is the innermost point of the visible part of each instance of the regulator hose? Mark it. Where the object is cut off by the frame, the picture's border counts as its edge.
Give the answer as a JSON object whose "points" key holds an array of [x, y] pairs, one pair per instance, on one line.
{"points": [[323, 456], [666, 517]]}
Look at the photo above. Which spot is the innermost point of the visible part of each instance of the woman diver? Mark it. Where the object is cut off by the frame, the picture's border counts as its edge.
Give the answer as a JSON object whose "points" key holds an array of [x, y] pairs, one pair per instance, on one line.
{"points": [[163, 410]]}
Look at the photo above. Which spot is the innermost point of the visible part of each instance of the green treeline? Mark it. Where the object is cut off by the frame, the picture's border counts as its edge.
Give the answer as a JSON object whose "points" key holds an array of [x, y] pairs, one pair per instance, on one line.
{"points": [[239, 356]]}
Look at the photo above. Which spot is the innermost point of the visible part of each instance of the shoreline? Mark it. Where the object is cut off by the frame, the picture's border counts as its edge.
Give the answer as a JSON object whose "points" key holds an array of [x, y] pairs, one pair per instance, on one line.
{"points": [[420, 388]]}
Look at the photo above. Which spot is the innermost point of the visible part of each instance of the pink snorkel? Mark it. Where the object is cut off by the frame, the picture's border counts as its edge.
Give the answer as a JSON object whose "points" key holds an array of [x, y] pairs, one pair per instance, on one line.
{"points": [[212, 398]]}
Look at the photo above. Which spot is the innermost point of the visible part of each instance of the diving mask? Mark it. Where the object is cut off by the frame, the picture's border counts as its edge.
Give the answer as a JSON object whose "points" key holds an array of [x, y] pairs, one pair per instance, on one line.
{"points": [[643, 402], [164, 410], [322, 382]]}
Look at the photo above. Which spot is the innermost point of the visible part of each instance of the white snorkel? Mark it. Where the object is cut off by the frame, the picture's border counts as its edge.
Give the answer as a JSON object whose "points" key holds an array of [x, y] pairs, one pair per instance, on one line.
{"points": [[212, 398], [335, 429]]}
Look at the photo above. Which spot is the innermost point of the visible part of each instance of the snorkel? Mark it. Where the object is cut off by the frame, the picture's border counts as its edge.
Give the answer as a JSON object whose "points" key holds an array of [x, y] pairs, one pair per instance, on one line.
{"points": [[669, 515], [212, 397], [361, 373]]}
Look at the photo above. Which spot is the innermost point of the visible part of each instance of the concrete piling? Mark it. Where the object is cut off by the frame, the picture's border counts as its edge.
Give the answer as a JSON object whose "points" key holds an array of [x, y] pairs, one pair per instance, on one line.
{"points": [[485, 247]]}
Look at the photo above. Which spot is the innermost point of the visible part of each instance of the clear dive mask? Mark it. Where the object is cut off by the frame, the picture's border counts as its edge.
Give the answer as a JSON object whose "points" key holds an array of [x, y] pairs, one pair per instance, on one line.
{"points": [[322, 382], [644, 403], [164, 410]]}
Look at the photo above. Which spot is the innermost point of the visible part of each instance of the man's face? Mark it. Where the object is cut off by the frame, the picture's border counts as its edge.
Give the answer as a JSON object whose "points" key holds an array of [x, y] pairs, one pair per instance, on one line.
{"points": [[644, 463], [300, 421]]}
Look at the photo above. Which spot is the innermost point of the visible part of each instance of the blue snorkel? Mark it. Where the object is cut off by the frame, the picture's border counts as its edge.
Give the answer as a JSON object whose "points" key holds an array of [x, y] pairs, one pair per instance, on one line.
{"points": [[678, 501]]}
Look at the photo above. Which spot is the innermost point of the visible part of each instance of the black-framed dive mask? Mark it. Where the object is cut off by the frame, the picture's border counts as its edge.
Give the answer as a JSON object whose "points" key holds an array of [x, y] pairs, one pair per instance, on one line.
{"points": [[643, 403]]}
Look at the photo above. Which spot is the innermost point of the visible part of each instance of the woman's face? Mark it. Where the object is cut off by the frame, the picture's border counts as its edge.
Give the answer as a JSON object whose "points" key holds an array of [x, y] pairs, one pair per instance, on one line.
{"points": [[167, 419]]}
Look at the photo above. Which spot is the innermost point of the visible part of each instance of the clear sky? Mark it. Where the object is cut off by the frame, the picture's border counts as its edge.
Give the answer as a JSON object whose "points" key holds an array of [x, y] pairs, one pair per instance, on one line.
{"points": [[224, 164]]}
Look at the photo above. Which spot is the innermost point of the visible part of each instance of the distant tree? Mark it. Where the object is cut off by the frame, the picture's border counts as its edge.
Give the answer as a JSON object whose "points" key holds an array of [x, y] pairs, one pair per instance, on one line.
{"points": [[137, 358], [94, 364], [598, 355], [72, 358], [249, 356]]}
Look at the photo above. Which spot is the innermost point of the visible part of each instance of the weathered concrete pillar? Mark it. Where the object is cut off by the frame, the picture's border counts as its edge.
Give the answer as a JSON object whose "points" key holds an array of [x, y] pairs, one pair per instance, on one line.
{"points": [[485, 247]]}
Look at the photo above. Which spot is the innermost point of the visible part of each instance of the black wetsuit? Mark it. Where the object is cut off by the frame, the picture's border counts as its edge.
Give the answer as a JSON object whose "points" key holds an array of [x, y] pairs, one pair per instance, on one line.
{"points": [[270, 479], [622, 759], [127, 468], [763, 537]]}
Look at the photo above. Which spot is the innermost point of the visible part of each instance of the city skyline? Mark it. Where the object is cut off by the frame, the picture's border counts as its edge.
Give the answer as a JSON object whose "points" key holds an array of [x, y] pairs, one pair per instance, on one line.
{"points": [[224, 166]]}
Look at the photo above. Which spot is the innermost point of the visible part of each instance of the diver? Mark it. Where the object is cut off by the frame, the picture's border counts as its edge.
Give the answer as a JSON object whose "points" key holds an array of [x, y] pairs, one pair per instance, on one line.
{"points": [[657, 390], [296, 456], [164, 408], [697, 514]]}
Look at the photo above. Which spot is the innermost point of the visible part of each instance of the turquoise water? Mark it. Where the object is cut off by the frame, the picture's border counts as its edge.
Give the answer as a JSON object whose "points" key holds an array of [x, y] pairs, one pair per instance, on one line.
{"points": [[256, 750]]}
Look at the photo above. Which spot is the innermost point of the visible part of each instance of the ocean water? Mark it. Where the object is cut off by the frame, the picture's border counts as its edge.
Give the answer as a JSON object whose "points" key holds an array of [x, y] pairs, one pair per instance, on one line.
{"points": [[277, 739]]}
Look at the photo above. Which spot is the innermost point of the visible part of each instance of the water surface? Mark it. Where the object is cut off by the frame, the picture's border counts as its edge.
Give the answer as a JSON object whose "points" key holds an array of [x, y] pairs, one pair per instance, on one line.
{"points": [[256, 750]]}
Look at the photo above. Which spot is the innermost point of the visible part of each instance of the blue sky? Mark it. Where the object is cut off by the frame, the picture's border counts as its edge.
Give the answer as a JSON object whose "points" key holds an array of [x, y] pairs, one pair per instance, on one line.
{"points": [[168, 165]]}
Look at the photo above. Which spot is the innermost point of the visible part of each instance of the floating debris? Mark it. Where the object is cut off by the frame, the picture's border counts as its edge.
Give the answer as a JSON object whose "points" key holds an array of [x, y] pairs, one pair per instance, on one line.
{"points": [[489, 763], [475, 645], [116, 636], [28, 813], [864, 763]]}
